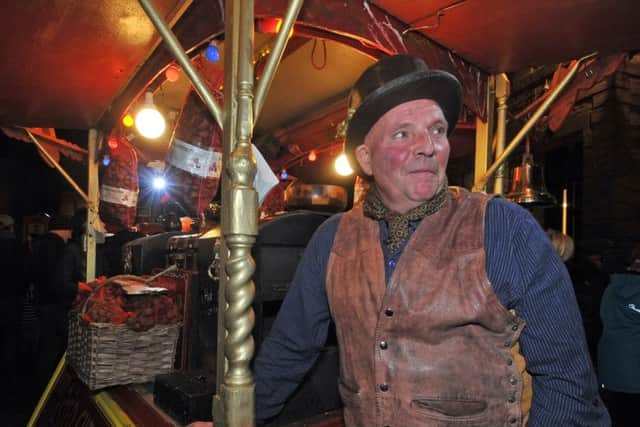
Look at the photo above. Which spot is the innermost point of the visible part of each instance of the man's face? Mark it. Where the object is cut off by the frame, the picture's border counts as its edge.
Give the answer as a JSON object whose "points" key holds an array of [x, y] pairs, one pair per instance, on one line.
{"points": [[407, 151]]}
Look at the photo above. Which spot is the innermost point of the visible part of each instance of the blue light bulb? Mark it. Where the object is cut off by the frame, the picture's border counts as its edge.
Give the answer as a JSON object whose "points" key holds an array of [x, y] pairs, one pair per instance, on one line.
{"points": [[106, 160], [212, 53]]}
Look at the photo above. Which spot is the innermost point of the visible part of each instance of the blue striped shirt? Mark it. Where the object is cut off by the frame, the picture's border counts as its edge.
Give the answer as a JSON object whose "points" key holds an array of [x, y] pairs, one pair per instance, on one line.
{"points": [[527, 276]]}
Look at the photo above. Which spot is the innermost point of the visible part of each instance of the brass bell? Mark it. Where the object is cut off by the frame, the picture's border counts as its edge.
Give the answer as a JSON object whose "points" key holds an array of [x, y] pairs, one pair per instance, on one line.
{"points": [[527, 185]]}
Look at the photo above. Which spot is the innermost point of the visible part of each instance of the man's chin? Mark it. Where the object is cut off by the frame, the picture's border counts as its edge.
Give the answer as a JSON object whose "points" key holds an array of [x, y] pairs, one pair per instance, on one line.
{"points": [[425, 193]]}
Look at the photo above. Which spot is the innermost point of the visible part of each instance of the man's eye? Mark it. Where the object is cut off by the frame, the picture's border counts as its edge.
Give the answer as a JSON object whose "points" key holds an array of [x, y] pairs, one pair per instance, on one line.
{"points": [[401, 134], [439, 130]]}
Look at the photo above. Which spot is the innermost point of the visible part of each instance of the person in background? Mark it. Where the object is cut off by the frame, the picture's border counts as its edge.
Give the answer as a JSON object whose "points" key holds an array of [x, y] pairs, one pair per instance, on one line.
{"points": [[73, 263], [619, 347], [112, 248], [13, 288], [562, 243], [451, 308], [590, 280], [53, 299]]}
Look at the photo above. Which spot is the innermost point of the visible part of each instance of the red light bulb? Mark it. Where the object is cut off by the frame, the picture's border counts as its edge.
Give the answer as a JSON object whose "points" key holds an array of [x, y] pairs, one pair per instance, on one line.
{"points": [[172, 73]]}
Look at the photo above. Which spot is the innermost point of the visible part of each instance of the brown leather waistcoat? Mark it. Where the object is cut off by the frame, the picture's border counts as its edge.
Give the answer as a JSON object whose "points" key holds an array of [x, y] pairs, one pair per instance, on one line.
{"points": [[432, 347]]}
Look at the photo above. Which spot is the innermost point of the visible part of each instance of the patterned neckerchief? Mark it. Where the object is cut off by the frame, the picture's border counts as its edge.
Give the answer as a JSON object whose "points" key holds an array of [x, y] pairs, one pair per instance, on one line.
{"points": [[399, 224]]}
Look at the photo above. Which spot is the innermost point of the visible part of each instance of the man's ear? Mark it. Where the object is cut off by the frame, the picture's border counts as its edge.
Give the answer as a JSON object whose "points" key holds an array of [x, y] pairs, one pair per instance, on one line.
{"points": [[363, 156]]}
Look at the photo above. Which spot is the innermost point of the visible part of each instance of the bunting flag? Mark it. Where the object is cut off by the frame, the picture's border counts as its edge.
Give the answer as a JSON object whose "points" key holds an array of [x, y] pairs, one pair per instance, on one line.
{"points": [[47, 138]]}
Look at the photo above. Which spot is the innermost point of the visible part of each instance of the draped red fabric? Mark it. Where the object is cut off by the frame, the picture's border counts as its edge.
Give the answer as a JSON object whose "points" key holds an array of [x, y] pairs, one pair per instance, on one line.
{"points": [[590, 73]]}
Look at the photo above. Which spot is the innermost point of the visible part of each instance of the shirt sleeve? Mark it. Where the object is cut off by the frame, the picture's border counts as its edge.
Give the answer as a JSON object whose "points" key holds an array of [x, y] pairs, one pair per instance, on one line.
{"points": [[529, 277], [300, 329]]}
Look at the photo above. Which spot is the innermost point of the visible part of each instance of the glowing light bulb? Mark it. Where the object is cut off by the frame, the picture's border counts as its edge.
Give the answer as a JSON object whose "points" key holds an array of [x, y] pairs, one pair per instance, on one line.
{"points": [[212, 53], [112, 143], [283, 174], [269, 25], [149, 122], [127, 120], [159, 183], [106, 160], [172, 73], [342, 165], [312, 157]]}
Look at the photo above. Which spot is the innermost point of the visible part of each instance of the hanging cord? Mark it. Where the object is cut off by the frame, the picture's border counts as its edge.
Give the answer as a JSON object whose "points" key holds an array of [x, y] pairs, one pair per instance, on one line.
{"points": [[324, 54]]}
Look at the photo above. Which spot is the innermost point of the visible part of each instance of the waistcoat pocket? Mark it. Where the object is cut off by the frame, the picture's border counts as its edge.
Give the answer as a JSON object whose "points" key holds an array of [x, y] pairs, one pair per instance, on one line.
{"points": [[350, 395], [450, 409]]}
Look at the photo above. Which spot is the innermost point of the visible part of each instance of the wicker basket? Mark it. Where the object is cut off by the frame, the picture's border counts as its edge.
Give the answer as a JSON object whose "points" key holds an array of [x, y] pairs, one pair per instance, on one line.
{"points": [[104, 354]]}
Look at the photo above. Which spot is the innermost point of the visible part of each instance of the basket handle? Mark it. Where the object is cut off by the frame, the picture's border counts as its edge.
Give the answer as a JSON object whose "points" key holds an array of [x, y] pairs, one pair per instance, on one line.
{"points": [[106, 282]]}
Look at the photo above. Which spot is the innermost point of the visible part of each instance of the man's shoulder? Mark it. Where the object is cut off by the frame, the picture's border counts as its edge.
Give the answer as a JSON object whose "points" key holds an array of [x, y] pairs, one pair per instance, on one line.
{"points": [[327, 230], [502, 209]]}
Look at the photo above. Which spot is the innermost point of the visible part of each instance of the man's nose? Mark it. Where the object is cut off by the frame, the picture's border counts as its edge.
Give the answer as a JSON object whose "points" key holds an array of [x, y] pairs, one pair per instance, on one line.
{"points": [[424, 144]]}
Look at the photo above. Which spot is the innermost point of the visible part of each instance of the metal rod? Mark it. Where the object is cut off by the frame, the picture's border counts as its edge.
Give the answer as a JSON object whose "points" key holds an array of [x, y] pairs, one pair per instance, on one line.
{"points": [[502, 94], [58, 167], [169, 269], [92, 212], [239, 230], [178, 52], [565, 205], [484, 133], [33, 420], [293, 10], [109, 408], [232, 14], [530, 123]]}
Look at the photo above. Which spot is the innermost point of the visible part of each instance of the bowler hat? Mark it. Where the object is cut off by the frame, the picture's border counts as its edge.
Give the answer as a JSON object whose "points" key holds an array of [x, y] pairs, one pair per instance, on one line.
{"points": [[392, 81]]}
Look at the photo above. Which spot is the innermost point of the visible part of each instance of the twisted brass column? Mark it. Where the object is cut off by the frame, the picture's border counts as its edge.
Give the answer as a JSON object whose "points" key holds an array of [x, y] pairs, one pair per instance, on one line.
{"points": [[239, 221]]}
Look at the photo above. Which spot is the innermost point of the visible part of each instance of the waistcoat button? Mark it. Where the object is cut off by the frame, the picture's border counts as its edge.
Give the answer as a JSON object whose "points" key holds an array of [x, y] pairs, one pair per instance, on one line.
{"points": [[513, 381], [514, 328], [512, 420], [383, 345], [388, 312], [512, 399], [510, 362], [507, 344], [384, 387]]}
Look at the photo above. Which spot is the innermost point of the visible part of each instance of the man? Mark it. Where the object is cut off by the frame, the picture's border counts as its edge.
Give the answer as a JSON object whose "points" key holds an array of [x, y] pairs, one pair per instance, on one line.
{"points": [[436, 293], [619, 348], [54, 297], [13, 288]]}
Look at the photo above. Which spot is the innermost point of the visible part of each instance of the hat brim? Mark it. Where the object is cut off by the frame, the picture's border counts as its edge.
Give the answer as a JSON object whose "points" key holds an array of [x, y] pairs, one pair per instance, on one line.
{"points": [[437, 85]]}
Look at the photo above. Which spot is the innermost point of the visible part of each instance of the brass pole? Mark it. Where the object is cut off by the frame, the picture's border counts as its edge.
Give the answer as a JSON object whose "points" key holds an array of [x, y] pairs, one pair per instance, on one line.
{"points": [[276, 56], [530, 123], [502, 94], [109, 408], [178, 52], [232, 24], [33, 419], [58, 167], [92, 212], [565, 205], [484, 133], [232, 14], [240, 229]]}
